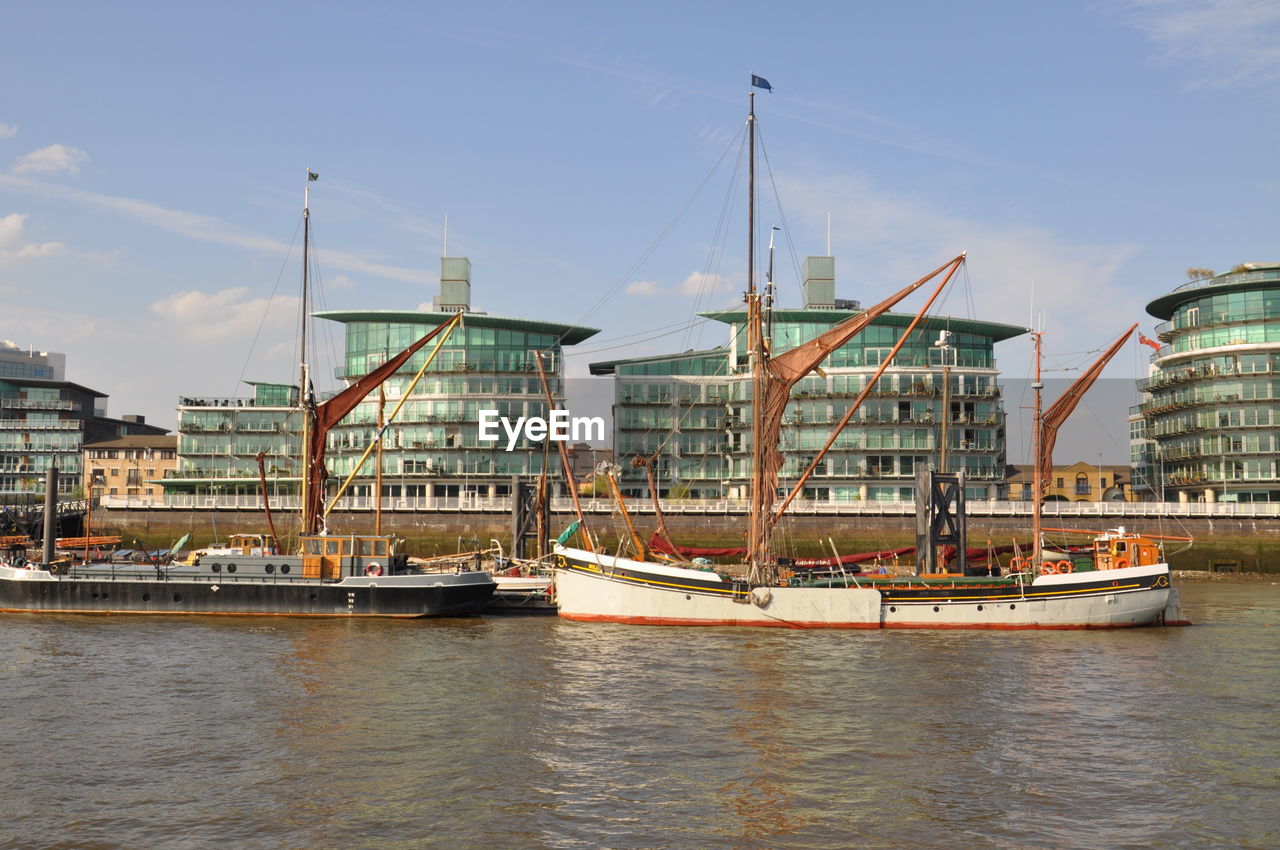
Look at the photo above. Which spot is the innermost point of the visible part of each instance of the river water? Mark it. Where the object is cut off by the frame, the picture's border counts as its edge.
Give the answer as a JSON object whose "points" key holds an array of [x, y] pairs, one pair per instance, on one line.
{"points": [[532, 732]]}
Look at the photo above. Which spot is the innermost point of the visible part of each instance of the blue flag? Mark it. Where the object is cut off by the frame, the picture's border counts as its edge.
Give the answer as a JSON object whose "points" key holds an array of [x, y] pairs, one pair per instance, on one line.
{"points": [[761, 83]]}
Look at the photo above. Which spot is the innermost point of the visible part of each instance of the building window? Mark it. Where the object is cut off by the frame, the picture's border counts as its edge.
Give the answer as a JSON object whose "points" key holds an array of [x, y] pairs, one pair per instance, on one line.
{"points": [[1082, 484]]}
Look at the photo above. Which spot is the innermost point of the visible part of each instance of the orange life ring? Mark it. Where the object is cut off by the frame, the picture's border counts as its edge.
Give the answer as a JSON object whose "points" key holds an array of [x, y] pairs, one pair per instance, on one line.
{"points": [[1065, 567], [1121, 564], [1048, 569], [1017, 563], [373, 570]]}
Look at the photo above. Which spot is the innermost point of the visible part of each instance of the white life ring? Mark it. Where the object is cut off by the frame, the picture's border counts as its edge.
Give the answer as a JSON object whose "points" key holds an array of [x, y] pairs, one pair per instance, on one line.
{"points": [[374, 569]]}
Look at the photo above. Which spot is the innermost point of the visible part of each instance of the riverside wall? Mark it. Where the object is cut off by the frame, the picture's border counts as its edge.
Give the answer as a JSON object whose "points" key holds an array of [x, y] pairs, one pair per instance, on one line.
{"points": [[1221, 543]]}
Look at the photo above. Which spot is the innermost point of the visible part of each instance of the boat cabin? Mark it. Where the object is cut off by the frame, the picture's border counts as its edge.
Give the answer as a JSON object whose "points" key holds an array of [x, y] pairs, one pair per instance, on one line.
{"points": [[250, 544], [1117, 548], [326, 556]]}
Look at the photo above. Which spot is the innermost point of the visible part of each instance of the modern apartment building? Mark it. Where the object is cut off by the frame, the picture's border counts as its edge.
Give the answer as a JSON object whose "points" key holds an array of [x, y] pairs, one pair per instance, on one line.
{"points": [[45, 421], [1213, 398], [432, 450], [691, 412]]}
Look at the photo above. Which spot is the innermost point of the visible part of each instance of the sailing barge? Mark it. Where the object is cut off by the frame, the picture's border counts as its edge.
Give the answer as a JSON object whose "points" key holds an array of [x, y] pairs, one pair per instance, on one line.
{"points": [[592, 585]]}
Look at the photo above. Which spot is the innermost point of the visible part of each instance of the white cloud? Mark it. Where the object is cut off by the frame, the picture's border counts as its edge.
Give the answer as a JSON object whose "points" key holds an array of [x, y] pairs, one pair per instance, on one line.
{"points": [[14, 246], [8, 131], [884, 242], [55, 159], [205, 228], [702, 284], [1221, 43], [222, 314], [644, 287]]}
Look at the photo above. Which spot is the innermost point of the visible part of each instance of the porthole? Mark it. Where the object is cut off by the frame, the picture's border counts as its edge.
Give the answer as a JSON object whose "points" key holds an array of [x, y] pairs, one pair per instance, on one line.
{"points": [[979, 607], [313, 597], [893, 609], [936, 608], [1012, 606], [284, 568], [177, 597], [270, 568], [687, 596], [217, 568], [231, 568], [146, 597]]}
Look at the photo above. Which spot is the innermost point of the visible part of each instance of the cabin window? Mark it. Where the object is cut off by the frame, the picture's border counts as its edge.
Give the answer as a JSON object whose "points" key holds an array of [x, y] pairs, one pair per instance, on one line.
{"points": [[313, 546], [332, 547]]}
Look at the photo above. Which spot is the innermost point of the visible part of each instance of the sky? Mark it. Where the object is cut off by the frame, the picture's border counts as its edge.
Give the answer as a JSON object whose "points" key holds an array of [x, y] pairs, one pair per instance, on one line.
{"points": [[585, 157]]}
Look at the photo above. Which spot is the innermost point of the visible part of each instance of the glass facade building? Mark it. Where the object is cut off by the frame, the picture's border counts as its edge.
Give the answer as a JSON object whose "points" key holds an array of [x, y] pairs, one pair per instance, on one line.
{"points": [[45, 421], [1213, 396], [432, 449], [692, 411]]}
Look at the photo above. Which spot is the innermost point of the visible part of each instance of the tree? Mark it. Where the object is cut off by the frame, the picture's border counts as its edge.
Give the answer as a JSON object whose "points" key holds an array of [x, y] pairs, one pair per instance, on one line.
{"points": [[1194, 273]]}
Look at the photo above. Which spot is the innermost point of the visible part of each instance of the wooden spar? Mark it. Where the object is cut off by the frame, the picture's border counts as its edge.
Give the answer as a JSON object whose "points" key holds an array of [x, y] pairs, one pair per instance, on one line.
{"points": [[783, 371], [647, 463], [444, 331], [1058, 412], [261, 457], [1037, 483], [642, 552], [1099, 533], [564, 458], [1047, 423], [377, 462], [331, 412], [758, 531], [857, 402], [307, 410]]}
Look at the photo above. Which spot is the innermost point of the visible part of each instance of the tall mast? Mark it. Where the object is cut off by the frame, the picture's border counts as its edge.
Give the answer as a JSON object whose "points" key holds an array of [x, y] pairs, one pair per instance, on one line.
{"points": [[757, 544], [1037, 484], [302, 358]]}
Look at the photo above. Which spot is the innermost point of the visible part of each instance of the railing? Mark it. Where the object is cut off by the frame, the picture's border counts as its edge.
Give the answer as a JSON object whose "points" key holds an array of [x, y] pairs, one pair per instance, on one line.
{"points": [[37, 404], [36, 425], [801, 507]]}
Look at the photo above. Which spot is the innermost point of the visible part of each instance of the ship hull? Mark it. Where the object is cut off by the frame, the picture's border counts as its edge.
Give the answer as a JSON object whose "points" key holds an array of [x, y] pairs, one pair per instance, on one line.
{"points": [[37, 591], [592, 587]]}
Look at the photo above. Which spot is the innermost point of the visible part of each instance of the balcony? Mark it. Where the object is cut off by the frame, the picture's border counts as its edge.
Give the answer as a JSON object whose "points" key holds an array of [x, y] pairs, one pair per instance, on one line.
{"points": [[34, 404]]}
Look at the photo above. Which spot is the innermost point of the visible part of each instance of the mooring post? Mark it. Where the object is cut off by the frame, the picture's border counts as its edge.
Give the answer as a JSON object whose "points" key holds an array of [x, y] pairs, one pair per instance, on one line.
{"points": [[50, 511]]}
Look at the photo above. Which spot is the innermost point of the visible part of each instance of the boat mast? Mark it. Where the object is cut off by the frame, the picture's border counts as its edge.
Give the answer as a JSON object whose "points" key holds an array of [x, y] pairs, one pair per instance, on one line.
{"points": [[303, 368], [757, 544], [1037, 482]]}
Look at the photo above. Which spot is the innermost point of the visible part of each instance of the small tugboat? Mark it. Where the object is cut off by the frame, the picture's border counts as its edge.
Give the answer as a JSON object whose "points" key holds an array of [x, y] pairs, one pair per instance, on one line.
{"points": [[330, 575]]}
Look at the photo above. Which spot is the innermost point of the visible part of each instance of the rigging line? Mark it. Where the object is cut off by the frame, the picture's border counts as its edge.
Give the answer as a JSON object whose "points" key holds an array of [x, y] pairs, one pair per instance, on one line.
{"points": [[321, 301], [674, 326], [782, 215], [716, 250], [663, 235], [262, 320], [630, 344]]}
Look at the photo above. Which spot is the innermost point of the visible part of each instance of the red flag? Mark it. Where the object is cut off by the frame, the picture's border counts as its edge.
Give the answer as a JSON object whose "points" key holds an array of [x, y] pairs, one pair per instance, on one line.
{"points": [[1146, 340]]}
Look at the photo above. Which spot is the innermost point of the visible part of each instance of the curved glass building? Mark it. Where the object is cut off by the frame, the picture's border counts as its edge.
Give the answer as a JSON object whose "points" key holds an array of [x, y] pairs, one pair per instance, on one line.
{"points": [[938, 404], [1213, 395]]}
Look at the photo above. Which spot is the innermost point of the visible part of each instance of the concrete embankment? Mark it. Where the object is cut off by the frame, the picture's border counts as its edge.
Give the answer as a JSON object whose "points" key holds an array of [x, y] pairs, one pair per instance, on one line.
{"points": [[1221, 544]]}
